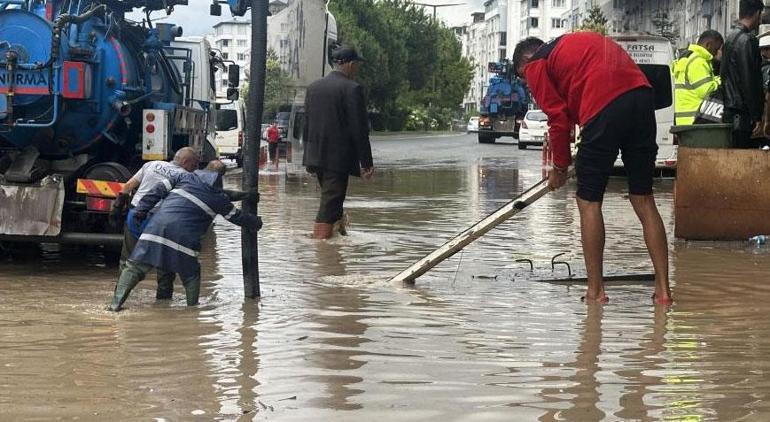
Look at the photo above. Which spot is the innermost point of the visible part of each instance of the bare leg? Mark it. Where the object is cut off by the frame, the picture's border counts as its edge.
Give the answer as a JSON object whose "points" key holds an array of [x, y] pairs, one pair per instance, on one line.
{"points": [[592, 234], [657, 245]]}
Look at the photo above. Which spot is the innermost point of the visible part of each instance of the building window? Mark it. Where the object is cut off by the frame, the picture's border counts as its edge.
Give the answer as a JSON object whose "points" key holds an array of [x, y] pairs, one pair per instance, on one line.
{"points": [[225, 43], [503, 38], [557, 23], [533, 22], [242, 29], [241, 43], [534, 4], [617, 4], [225, 56], [241, 56], [558, 3]]}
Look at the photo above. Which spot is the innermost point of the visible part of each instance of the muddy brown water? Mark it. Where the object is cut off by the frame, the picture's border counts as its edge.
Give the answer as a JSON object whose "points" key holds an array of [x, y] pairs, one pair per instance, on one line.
{"points": [[331, 340]]}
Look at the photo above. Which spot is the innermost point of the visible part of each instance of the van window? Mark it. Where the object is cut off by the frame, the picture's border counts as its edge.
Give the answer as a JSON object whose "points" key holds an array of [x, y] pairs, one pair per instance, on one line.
{"points": [[227, 120], [537, 116], [299, 125], [659, 77]]}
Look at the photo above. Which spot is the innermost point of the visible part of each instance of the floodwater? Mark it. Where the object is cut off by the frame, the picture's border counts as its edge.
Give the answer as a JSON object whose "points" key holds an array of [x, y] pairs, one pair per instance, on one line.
{"points": [[476, 339]]}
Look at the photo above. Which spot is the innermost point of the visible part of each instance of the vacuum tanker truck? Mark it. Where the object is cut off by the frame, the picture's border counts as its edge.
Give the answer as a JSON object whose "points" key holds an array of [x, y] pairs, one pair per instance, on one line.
{"points": [[86, 96]]}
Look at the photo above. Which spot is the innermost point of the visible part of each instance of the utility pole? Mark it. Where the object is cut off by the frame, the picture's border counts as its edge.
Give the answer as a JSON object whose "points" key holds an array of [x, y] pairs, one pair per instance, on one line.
{"points": [[251, 148]]}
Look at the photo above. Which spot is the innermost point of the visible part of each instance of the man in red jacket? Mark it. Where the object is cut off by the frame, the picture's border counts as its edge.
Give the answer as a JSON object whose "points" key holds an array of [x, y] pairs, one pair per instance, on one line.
{"points": [[587, 79]]}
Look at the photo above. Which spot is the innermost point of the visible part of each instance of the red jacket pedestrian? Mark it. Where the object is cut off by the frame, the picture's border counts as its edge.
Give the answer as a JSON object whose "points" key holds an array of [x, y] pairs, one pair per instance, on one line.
{"points": [[273, 135]]}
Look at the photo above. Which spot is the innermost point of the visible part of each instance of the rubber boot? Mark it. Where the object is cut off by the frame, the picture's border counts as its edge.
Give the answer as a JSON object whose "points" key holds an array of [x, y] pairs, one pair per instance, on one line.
{"points": [[323, 230], [192, 289], [129, 278]]}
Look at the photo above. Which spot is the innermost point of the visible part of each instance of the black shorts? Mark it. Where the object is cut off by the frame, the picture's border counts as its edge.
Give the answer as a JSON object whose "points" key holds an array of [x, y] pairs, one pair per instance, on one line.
{"points": [[627, 124], [272, 148]]}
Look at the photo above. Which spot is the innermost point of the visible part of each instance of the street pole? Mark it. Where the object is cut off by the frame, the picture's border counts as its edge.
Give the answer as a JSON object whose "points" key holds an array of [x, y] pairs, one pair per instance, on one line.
{"points": [[251, 148]]}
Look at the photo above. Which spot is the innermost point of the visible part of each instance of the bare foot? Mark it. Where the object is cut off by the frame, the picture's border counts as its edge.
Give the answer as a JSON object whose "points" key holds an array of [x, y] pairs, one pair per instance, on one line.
{"points": [[666, 299], [603, 299]]}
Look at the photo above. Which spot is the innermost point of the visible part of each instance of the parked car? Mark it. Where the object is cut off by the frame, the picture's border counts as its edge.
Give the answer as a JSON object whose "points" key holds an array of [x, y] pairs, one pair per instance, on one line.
{"points": [[533, 129], [473, 125]]}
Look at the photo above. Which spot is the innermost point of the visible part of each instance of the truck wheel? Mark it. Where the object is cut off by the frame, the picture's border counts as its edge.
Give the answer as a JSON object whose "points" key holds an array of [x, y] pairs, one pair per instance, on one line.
{"points": [[522, 145], [485, 138], [110, 171]]}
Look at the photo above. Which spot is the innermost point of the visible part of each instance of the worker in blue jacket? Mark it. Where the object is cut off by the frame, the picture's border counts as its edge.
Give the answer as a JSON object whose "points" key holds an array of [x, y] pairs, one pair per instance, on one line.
{"points": [[171, 240]]}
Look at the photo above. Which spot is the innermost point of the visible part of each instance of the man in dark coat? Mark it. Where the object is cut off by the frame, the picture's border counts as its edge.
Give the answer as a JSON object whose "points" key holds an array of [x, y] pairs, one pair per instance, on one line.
{"points": [[336, 137], [171, 240], [742, 77]]}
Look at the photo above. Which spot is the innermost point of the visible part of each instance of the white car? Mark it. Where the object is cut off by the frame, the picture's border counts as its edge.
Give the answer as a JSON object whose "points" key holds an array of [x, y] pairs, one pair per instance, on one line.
{"points": [[473, 125], [533, 129]]}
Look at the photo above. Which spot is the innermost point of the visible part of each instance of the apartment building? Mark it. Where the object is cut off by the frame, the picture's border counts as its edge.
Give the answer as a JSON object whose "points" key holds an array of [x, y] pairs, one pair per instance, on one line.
{"points": [[545, 19], [474, 43], [233, 39]]}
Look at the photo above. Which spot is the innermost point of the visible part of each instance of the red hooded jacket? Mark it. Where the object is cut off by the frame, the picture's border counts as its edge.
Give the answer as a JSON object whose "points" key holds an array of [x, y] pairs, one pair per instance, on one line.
{"points": [[573, 77]]}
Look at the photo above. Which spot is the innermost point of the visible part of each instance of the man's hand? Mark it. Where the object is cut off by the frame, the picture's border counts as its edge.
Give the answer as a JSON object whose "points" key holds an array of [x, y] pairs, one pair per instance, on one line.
{"points": [[557, 177], [367, 173], [118, 209], [139, 218]]}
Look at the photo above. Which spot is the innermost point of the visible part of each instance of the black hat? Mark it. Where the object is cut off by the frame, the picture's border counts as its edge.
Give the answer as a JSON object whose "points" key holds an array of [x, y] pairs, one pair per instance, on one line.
{"points": [[346, 54]]}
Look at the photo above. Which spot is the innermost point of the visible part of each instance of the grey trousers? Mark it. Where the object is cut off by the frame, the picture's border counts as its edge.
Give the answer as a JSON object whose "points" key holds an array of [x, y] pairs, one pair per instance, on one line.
{"points": [[134, 272]]}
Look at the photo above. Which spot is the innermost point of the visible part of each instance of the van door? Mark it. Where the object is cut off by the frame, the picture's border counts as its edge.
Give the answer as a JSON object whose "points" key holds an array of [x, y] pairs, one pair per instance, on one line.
{"points": [[654, 55]]}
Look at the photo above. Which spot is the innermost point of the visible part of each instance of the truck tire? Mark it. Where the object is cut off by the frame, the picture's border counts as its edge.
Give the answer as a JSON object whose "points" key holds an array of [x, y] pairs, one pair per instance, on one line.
{"points": [[522, 145], [485, 138]]}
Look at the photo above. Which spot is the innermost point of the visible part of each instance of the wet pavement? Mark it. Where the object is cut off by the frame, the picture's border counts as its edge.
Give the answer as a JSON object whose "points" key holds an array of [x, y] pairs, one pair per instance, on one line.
{"points": [[476, 339]]}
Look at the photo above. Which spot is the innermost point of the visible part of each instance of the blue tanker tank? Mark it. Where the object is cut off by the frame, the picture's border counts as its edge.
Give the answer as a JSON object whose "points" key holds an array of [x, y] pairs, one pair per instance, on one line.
{"points": [[74, 75]]}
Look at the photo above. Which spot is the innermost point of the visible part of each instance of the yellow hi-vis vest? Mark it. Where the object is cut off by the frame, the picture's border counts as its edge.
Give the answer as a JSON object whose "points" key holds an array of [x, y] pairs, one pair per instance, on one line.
{"points": [[694, 79]]}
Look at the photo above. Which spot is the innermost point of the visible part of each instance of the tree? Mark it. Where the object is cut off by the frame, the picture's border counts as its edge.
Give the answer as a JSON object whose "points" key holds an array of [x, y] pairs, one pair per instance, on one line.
{"points": [[594, 21], [412, 61], [665, 27], [279, 89]]}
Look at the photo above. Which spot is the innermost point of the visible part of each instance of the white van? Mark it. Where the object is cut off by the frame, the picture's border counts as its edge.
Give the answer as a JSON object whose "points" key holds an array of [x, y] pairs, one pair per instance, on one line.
{"points": [[231, 128], [654, 55]]}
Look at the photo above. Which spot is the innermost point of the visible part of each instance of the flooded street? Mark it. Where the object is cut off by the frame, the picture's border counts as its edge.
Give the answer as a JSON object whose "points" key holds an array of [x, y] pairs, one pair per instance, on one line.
{"points": [[476, 339]]}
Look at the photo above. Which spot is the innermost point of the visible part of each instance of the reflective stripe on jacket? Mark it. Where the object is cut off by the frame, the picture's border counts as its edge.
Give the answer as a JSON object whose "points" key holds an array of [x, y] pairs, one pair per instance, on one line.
{"points": [[694, 80]]}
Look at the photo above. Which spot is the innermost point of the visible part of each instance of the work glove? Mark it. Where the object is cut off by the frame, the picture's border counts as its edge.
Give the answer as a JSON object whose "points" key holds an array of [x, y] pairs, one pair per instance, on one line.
{"points": [[139, 217], [118, 209], [235, 195]]}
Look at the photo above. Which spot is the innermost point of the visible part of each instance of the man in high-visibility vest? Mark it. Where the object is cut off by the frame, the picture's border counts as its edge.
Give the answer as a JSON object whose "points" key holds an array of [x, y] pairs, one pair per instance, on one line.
{"points": [[694, 76]]}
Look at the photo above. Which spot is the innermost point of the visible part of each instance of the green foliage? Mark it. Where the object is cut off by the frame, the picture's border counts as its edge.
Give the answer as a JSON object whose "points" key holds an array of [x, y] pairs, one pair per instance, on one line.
{"points": [[413, 63], [594, 21], [278, 87], [665, 27]]}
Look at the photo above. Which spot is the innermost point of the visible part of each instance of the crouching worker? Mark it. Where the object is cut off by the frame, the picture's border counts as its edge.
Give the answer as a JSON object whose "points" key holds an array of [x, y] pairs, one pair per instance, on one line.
{"points": [[171, 240]]}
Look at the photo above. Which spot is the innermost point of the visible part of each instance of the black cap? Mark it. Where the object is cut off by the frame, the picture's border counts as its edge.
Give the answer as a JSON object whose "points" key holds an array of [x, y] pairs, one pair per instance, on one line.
{"points": [[346, 54]]}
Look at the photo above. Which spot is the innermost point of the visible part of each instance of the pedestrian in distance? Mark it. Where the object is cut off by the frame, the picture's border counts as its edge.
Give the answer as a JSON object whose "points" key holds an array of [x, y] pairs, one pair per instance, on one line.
{"points": [[587, 79], [171, 239], [144, 181], [336, 138], [273, 136], [741, 74], [694, 76]]}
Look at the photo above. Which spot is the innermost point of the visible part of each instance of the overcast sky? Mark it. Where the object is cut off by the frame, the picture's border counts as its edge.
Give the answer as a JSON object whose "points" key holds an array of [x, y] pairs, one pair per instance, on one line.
{"points": [[195, 18]]}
